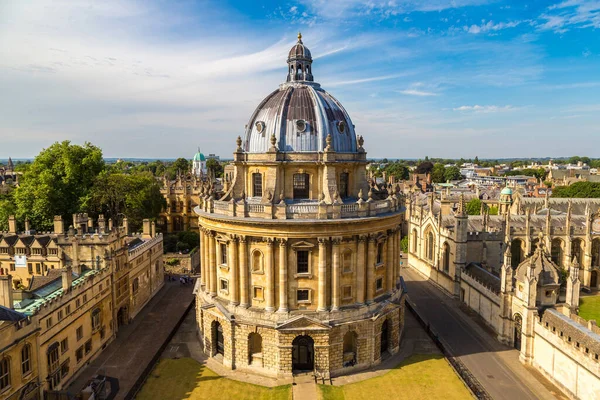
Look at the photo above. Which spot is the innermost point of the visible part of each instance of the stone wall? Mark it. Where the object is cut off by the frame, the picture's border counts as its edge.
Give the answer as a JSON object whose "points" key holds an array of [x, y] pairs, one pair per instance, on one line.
{"points": [[480, 299], [568, 354], [440, 278]]}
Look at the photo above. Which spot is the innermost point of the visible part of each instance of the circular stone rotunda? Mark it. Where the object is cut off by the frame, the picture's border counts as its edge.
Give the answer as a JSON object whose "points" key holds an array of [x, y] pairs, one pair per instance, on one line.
{"points": [[300, 253]]}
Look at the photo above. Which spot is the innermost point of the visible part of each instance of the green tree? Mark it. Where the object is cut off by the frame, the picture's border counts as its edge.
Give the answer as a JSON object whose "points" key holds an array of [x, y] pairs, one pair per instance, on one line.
{"points": [[181, 165], [57, 182], [474, 207], [404, 244], [424, 167], [136, 196], [398, 170], [452, 174], [437, 173], [578, 189], [212, 164], [7, 208]]}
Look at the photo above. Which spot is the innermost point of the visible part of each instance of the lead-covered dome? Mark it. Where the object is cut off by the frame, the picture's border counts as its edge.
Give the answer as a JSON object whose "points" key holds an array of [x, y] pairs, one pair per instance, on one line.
{"points": [[300, 114]]}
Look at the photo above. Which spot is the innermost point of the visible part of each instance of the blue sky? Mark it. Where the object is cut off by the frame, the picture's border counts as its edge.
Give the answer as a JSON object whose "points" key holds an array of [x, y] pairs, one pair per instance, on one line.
{"points": [[443, 78]]}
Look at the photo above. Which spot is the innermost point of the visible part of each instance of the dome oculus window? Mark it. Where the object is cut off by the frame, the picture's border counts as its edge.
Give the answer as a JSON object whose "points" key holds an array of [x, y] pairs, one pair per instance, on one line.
{"points": [[260, 126], [301, 125], [341, 125]]}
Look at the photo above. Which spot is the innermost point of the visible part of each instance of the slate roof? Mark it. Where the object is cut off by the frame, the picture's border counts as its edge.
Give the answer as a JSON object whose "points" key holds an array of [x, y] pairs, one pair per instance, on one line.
{"points": [[6, 314]]}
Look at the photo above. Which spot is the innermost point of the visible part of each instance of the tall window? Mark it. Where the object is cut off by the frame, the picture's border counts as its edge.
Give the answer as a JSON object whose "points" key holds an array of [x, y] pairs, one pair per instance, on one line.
{"points": [[344, 185], [301, 186], [379, 252], [257, 184], [96, 319], [302, 261], [430, 245], [26, 359], [223, 247], [257, 261], [446, 261], [53, 366], [347, 261], [556, 251], [4, 373]]}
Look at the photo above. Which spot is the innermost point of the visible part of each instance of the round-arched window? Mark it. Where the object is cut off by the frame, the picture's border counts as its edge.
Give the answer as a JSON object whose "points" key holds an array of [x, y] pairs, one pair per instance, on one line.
{"points": [[301, 125]]}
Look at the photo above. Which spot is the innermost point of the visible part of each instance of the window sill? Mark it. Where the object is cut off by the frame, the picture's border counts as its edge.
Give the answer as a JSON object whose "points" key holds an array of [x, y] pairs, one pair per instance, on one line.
{"points": [[380, 265], [224, 267], [347, 272], [304, 302], [224, 292], [303, 276], [258, 272]]}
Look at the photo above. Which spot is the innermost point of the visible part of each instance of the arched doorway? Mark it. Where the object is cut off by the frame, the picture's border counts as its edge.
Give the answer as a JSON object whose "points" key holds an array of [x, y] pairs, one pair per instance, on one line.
{"points": [[303, 354], [385, 333], [350, 353], [217, 336], [594, 280], [517, 333], [122, 316], [255, 349]]}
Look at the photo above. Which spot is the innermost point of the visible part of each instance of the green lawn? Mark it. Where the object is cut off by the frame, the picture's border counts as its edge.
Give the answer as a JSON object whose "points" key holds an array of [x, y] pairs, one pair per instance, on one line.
{"points": [[589, 308], [185, 378], [418, 377]]}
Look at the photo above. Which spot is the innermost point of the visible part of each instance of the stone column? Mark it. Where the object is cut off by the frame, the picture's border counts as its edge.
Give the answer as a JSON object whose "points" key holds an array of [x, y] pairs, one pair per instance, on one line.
{"points": [[322, 275], [335, 275], [234, 271], [203, 257], [360, 270], [270, 277], [244, 301], [212, 264], [283, 277], [397, 253], [371, 270], [390, 266]]}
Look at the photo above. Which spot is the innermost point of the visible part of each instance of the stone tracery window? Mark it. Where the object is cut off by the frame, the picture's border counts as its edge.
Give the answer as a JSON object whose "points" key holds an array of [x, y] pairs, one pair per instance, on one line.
{"points": [[4, 373], [430, 245]]}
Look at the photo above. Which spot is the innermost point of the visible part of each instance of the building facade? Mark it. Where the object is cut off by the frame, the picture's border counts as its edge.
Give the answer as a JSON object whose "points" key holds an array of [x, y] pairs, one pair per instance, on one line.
{"points": [[68, 292], [299, 253]]}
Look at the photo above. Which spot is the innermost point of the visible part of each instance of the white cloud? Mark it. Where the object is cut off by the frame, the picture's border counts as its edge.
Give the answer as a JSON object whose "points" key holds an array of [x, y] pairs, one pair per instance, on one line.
{"points": [[490, 26], [485, 109], [415, 92], [571, 14]]}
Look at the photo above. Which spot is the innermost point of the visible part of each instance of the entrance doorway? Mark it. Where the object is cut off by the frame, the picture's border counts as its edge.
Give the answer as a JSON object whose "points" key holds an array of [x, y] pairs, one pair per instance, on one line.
{"points": [[122, 316], [517, 333], [217, 334], [303, 354], [384, 337], [594, 280]]}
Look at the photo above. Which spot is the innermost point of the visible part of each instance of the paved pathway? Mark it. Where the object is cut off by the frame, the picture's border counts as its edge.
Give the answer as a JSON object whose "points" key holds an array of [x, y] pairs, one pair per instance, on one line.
{"points": [[495, 366], [126, 357]]}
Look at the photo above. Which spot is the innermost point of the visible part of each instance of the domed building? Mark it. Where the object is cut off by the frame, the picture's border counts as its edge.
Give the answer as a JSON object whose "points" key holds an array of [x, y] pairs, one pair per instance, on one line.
{"points": [[300, 252], [198, 164]]}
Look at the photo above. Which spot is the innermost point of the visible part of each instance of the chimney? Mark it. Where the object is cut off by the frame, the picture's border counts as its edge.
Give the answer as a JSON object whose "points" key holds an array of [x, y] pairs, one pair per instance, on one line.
{"points": [[110, 225], [90, 224], [6, 294], [59, 226], [146, 227], [153, 229], [26, 224], [67, 279], [126, 225], [12, 224], [75, 258], [101, 223]]}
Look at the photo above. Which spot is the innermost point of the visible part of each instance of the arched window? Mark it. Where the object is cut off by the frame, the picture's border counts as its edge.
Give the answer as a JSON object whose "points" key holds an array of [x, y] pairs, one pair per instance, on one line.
{"points": [[446, 260], [430, 245], [4, 373], [596, 252], [257, 184], [347, 260], [344, 183], [577, 250], [301, 186], [413, 241], [556, 251], [350, 353], [516, 250], [257, 261], [26, 359]]}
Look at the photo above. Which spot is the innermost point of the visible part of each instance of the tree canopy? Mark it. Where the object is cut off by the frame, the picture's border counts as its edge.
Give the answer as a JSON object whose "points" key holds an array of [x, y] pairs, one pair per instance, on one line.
{"points": [[578, 189], [424, 167], [474, 207], [57, 182]]}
